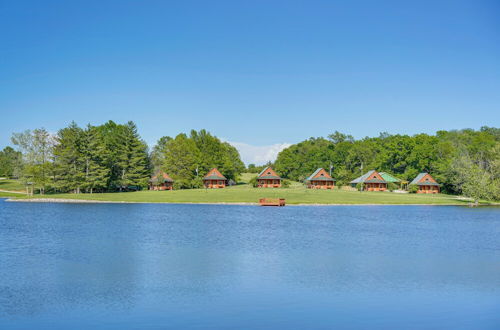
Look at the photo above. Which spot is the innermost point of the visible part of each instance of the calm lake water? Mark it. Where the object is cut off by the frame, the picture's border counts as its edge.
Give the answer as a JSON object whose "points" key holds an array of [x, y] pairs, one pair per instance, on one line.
{"points": [[141, 266]]}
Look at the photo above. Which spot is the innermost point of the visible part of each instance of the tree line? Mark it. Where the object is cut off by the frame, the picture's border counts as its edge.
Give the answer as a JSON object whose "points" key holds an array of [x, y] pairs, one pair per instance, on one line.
{"points": [[109, 157], [464, 161], [113, 157]]}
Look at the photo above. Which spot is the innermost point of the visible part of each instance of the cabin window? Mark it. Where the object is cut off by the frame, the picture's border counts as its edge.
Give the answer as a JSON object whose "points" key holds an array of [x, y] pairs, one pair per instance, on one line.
{"points": [[322, 174], [268, 173]]}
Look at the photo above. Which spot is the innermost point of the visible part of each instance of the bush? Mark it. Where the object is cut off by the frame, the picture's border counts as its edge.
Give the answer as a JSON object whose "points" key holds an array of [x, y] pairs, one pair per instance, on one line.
{"points": [[285, 183], [391, 186], [197, 183], [253, 182], [360, 186], [412, 189]]}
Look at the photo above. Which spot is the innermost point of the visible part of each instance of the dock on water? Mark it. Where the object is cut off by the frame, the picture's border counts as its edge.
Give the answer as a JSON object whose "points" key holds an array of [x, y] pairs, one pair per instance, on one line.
{"points": [[272, 202]]}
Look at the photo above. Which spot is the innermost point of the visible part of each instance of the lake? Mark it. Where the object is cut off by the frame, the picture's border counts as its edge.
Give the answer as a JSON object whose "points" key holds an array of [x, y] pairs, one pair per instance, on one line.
{"points": [[149, 266]]}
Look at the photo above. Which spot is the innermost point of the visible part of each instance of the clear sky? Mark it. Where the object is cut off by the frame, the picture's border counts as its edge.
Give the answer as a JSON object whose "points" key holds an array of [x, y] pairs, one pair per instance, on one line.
{"points": [[260, 74]]}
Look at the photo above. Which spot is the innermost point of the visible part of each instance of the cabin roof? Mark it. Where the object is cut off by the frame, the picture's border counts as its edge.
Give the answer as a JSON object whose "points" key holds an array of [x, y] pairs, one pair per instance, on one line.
{"points": [[165, 176], [273, 174], [389, 178], [425, 183], [375, 181], [365, 176], [323, 178], [214, 174]]}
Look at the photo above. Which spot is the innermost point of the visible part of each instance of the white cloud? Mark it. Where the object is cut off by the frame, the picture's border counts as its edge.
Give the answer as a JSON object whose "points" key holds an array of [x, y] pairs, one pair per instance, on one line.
{"points": [[258, 155]]}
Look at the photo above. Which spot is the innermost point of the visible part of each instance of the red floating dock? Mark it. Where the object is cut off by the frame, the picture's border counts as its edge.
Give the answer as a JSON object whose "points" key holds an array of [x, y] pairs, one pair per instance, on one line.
{"points": [[272, 202]]}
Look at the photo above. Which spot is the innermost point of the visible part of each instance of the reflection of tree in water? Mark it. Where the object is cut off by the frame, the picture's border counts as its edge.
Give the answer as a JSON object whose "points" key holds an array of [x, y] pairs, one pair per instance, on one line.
{"points": [[70, 261], [168, 260]]}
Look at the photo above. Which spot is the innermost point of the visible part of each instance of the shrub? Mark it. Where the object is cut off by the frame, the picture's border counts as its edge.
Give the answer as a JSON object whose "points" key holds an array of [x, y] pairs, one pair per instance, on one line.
{"points": [[253, 182], [196, 183], [412, 189], [391, 186], [360, 186], [285, 183]]}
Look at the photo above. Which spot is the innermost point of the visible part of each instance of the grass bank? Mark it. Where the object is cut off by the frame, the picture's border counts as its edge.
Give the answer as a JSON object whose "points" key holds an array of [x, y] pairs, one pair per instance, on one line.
{"points": [[244, 193], [12, 185], [4, 194], [248, 194]]}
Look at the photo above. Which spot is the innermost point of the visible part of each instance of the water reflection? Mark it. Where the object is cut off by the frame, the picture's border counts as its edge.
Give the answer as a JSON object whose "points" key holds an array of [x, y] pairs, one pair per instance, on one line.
{"points": [[217, 266]]}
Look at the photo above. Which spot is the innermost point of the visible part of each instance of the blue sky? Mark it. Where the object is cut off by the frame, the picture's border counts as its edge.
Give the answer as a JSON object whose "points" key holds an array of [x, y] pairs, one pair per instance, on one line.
{"points": [[261, 74]]}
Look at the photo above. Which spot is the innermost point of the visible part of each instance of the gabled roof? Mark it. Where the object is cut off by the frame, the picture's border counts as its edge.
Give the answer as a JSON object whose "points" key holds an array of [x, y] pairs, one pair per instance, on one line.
{"points": [[389, 178], [165, 176], [325, 177], [214, 174], [425, 183], [365, 178], [268, 173]]}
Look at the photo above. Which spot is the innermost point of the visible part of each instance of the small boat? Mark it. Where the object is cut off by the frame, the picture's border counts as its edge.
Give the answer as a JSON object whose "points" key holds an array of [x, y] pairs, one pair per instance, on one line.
{"points": [[272, 202]]}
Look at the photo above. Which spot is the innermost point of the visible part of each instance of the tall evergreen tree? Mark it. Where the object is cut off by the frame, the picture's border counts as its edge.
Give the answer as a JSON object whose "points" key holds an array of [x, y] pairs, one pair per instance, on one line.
{"points": [[69, 158], [97, 174]]}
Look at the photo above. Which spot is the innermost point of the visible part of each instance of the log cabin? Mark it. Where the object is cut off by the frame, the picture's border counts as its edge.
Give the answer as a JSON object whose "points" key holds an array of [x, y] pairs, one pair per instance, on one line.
{"points": [[161, 181], [372, 181], [320, 179], [214, 179], [426, 184], [268, 179]]}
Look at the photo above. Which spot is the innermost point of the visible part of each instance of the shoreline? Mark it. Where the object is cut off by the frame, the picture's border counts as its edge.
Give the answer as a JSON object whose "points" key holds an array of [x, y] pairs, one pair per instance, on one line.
{"points": [[86, 201]]}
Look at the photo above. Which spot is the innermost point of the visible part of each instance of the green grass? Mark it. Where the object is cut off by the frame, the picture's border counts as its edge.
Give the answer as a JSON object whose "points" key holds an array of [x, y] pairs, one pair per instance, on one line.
{"points": [[11, 185], [9, 194], [246, 194], [246, 177]]}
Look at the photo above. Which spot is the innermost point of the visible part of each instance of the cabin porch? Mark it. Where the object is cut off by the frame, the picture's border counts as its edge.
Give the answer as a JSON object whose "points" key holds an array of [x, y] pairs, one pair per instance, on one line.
{"points": [[321, 185], [163, 186], [269, 183], [375, 186], [424, 189], [213, 184]]}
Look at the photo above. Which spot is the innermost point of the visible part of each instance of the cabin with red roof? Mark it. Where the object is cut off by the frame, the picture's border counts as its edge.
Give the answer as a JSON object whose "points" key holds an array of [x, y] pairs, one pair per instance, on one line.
{"points": [[214, 179], [320, 179], [161, 181], [426, 184], [268, 179], [372, 181]]}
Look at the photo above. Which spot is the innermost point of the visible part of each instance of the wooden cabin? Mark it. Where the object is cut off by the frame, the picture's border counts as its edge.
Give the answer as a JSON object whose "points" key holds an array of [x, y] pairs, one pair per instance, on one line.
{"points": [[320, 179], [426, 184], [214, 179], [372, 181], [161, 181], [268, 179]]}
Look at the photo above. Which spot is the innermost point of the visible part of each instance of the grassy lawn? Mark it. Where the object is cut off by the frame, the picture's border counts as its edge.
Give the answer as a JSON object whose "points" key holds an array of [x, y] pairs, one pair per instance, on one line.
{"points": [[9, 194], [11, 185], [247, 194], [244, 193]]}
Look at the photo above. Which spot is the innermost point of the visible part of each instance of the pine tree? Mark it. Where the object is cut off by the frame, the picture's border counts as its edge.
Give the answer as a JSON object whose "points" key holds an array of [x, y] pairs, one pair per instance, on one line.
{"points": [[135, 171], [97, 175], [68, 159]]}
